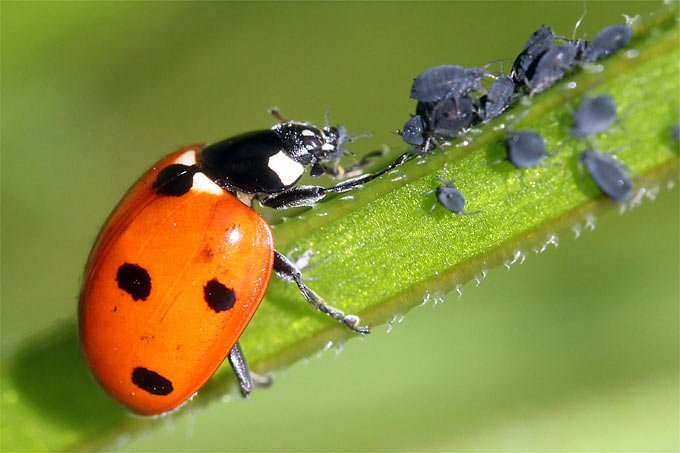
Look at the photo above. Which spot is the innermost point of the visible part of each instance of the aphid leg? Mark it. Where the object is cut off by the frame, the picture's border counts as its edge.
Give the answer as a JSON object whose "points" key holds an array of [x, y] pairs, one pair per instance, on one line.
{"points": [[285, 269], [298, 196], [240, 367], [357, 168]]}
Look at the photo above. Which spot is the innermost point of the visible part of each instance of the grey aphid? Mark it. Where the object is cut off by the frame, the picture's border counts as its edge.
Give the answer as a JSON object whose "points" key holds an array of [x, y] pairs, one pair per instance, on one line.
{"points": [[593, 115], [450, 116], [538, 43], [450, 197], [525, 149], [675, 132], [608, 175], [498, 98], [607, 42], [439, 81], [552, 66], [414, 131]]}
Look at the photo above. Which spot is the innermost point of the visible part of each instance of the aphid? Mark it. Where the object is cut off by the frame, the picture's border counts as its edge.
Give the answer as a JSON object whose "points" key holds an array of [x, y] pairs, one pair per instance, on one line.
{"points": [[439, 82], [538, 43], [608, 175], [450, 116], [414, 131], [552, 66], [593, 115], [525, 148], [607, 42], [450, 197], [499, 98]]}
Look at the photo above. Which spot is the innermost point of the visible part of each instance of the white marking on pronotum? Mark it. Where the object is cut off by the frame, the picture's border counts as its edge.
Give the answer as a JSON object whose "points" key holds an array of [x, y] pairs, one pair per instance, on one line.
{"points": [[327, 147], [187, 158], [285, 168], [308, 133], [204, 184]]}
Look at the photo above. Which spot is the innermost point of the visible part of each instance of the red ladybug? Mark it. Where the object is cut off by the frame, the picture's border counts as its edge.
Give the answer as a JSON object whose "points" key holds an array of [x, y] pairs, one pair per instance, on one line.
{"points": [[183, 262]]}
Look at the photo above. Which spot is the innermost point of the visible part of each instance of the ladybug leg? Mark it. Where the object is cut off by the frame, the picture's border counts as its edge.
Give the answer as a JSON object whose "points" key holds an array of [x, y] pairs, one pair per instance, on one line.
{"points": [[240, 367], [246, 378], [298, 196], [285, 269]]}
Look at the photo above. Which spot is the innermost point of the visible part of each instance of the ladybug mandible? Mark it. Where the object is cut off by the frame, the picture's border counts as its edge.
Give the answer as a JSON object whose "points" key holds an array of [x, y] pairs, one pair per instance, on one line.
{"points": [[183, 262]]}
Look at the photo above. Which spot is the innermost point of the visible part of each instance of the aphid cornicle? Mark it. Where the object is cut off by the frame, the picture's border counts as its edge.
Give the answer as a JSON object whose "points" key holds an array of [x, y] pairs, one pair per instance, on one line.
{"points": [[183, 262]]}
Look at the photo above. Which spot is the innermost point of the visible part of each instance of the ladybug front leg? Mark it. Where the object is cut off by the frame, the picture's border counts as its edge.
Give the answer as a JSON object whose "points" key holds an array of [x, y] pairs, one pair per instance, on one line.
{"points": [[298, 196], [285, 269], [246, 379]]}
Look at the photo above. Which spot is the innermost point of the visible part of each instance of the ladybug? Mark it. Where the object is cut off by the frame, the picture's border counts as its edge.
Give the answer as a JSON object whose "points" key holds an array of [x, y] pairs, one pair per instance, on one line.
{"points": [[183, 262]]}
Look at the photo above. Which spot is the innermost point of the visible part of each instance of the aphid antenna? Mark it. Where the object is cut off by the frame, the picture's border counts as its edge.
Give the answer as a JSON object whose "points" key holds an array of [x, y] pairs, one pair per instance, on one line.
{"points": [[631, 21], [579, 21], [327, 118], [492, 62], [276, 113], [511, 125], [357, 167]]}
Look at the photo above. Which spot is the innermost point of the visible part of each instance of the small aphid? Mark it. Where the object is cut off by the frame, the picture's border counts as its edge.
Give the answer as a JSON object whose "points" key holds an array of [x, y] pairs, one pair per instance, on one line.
{"points": [[607, 42], [593, 116], [450, 197], [414, 131], [525, 149], [675, 132], [538, 43], [450, 116], [552, 66], [499, 98], [608, 175], [439, 81]]}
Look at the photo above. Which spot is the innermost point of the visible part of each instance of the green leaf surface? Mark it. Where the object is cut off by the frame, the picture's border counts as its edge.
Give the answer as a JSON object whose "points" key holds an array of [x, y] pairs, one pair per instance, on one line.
{"points": [[378, 251]]}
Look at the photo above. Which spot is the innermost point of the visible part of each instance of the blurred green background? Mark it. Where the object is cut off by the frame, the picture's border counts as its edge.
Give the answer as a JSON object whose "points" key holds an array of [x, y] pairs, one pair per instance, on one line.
{"points": [[575, 349]]}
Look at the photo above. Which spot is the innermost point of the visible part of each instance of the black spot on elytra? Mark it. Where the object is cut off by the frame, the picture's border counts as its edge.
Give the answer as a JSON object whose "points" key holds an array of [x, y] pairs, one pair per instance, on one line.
{"points": [[218, 296], [134, 280], [151, 381], [175, 180]]}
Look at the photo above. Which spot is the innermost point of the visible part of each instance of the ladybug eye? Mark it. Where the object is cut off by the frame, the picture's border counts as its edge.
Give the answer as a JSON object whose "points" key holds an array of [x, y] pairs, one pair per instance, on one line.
{"points": [[311, 143]]}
